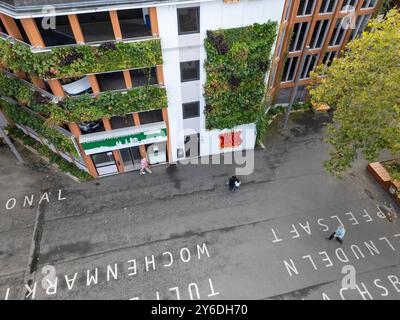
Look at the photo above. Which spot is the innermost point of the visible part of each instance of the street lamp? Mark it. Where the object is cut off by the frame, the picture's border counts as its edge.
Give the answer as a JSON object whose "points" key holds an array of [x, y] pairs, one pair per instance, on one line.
{"points": [[296, 86]]}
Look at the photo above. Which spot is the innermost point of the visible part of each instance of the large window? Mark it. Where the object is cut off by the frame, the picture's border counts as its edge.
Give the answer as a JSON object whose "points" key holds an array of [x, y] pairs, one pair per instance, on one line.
{"points": [[309, 63], [102, 159], [306, 8], [190, 71], [338, 33], [298, 36], [328, 6], [290, 69], [191, 110], [319, 34], [189, 20]]}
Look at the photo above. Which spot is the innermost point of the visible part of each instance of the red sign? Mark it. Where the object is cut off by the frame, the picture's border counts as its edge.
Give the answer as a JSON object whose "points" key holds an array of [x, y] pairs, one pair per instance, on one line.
{"points": [[230, 139]]}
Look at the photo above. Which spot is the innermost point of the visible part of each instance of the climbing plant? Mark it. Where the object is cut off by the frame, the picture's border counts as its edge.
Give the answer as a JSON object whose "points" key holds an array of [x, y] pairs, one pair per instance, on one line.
{"points": [[84, 107], [23, 117], [75, 61], [236, 65]]}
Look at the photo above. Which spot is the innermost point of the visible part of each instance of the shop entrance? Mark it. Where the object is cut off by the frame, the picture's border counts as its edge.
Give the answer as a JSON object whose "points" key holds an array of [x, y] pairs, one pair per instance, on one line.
{"points": [[131, 158]]}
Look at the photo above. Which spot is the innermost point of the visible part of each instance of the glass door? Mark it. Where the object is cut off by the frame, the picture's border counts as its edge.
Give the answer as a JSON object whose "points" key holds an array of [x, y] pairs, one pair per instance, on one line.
{"points": [[135, 155], [127, 159], [131, 158]]}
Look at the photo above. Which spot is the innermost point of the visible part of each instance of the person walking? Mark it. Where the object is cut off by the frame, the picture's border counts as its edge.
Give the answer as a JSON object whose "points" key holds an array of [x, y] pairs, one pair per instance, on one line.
{"points": [[231, 183], [338, 234], [237, 184], [144, 166]]}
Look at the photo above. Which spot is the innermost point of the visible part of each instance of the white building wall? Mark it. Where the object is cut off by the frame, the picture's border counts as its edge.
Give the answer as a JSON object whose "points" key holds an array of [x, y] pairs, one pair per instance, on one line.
{"points": [[168, 30], [213, 15]]}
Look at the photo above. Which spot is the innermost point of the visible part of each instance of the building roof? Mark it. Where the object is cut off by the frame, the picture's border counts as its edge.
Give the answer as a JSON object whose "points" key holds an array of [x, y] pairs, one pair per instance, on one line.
{"points": [[34, 8]]}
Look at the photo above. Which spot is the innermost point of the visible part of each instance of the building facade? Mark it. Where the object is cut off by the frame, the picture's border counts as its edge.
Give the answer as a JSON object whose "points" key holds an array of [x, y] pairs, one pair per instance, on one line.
{"points": [[125, 79], [313, 32]]}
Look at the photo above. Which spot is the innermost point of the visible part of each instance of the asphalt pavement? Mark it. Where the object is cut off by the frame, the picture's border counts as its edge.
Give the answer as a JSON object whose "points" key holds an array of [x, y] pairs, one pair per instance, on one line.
{"points": [[180, 234]]}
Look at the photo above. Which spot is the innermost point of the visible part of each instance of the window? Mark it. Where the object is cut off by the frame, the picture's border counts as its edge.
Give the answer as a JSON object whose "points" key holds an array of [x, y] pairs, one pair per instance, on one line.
{"points": [[280, 43], [103, 159], [191, 110], [328, 58], [288, 7], [338, 33], [118, 122], [309, 63], [361, 24], [319, 34], [290, 69], [150, 116], [298, 36], [368, 4], [190, 71], [306, 7], [328, 6], [349, 5], [188, 20]]}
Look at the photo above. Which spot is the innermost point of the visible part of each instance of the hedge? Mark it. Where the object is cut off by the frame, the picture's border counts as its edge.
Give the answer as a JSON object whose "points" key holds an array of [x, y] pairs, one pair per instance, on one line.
{"points": [[236, 65], [85, 107], [75, 61]]}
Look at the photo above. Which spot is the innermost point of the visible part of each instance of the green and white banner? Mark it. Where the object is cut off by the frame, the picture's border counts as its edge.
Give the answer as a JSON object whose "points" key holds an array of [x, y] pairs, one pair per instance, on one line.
{"points": [[123, 138]]}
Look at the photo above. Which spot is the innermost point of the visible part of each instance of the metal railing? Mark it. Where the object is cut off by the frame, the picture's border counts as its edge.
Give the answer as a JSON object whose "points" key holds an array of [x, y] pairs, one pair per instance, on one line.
{"points": [[92, 43]]}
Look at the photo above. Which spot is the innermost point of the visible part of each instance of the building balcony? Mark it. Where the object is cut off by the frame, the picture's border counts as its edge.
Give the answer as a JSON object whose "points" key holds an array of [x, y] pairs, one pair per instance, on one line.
{"points": [[78, 60]]}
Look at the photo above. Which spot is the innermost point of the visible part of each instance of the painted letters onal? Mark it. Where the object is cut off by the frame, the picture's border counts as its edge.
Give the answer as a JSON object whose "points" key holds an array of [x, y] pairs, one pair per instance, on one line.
{"points": [[28, 201]]}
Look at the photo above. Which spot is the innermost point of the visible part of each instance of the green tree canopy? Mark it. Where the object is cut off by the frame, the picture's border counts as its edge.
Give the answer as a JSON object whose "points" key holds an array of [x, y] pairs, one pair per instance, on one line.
{"points": [[363, 87]]}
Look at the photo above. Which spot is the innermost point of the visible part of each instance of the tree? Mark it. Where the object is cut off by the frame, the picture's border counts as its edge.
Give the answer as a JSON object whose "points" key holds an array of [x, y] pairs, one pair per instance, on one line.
{"points": [[363, 88]]}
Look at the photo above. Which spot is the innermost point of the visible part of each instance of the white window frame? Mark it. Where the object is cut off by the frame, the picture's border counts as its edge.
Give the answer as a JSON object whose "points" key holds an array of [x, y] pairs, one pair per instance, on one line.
{"points": [[306, 67], [328, 56], [336, 35], [367, 4], [298, 36], [327, 6], [303, 14], [289, 68], [313, 45], [287, 12]]}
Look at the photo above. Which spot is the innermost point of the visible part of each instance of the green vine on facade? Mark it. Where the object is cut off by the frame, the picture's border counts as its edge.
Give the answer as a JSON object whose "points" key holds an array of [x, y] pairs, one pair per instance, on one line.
{"points": [[85, 107], [76, 61], [28, 119], [237, 62]]}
